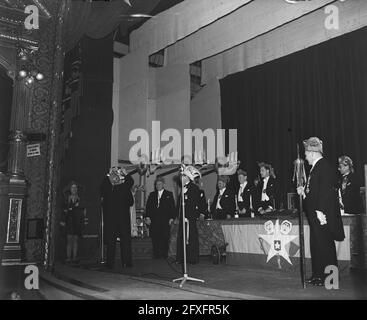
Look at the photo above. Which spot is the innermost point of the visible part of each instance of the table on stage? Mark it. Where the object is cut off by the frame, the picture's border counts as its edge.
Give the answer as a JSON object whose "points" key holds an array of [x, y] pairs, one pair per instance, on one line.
{"points": [[269, 243]]}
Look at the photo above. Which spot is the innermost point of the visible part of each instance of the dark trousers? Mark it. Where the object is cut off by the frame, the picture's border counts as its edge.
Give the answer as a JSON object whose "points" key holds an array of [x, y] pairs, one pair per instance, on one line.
{"points": [[322, 246], [123, 231], [160, 238], [192, 248], [220, 214], [266, 204]]}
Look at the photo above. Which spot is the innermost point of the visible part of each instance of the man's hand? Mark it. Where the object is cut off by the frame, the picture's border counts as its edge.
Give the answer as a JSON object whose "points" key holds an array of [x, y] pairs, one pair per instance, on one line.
{"points": [[243, 211], [170, 222], [229, 216], [201, 217], [321, 217], [301, 192], [63, 224]]}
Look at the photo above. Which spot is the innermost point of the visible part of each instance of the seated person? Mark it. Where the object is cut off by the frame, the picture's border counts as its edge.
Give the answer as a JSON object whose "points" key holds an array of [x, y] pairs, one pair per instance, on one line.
{"points": [[266, 192], [244, 192], [348, 188], [224, 205]]}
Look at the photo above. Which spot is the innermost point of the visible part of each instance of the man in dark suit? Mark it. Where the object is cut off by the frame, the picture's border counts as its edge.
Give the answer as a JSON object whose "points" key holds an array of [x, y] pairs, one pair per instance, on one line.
{"points": [[191, 199], [160, 212], [348, 188], [203, 208], [322, 211], [117, 199], [224, 203], [244, 193], [267, 189]]}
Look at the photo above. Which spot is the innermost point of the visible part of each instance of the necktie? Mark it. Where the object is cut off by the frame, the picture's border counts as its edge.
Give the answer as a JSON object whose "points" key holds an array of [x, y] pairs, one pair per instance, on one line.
{"points": [[240, 193], [159, 199], [218, 202]]}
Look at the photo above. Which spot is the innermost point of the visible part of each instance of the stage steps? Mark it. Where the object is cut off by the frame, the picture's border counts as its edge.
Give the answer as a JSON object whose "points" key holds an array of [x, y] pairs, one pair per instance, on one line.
{"points": [[70, 283], [56, 287]]}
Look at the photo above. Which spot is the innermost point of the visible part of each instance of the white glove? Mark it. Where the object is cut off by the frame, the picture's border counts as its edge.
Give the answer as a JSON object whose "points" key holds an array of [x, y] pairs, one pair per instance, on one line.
{"points": [[301, 192], [321, 217]]}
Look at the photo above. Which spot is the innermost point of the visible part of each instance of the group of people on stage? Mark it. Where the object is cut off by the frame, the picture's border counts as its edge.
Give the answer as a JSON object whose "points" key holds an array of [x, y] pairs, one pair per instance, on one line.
{"points": [[325, 201], [259, 197]]}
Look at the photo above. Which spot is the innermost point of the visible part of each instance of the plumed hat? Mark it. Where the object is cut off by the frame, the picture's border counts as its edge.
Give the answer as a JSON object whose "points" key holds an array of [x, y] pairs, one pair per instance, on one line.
{"points": [[117, 175], [313, 144], [191, 172]]}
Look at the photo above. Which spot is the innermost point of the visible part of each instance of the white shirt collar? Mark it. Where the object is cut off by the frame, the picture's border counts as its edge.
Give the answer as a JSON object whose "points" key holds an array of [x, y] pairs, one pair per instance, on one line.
{"points": [[160, 192], [222, 191], [242, 185]]}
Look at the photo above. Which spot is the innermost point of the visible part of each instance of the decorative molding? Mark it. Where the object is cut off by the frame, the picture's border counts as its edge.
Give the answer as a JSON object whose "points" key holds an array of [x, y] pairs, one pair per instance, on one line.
{"points": [[14, 220]]}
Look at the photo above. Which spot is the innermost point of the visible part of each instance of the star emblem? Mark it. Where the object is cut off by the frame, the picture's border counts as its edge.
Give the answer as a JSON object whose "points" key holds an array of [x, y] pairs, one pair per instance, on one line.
{"points": [[277, 238]]}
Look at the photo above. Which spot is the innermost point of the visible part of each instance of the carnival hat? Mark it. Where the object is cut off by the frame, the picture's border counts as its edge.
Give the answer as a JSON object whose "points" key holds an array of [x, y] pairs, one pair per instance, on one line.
{"points": [[313, 144]]}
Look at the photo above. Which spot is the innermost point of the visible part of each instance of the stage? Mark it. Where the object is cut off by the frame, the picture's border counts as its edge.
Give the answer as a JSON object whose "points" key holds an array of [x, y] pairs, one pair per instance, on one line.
{"points": [[152, 280]]}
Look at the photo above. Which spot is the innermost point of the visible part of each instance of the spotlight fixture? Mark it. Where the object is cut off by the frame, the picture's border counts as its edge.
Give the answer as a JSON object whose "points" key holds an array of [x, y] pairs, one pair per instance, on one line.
{"points": [[28, 72]]}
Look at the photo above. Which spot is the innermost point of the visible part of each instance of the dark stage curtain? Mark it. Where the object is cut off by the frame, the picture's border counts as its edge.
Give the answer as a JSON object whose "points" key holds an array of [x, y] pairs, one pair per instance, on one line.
{"points": [[320, 91]]}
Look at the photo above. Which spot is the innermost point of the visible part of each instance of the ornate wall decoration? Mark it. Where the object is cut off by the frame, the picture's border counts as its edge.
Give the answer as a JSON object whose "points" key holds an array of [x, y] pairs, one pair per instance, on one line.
{"points": [[43, 117], [15, 211]]}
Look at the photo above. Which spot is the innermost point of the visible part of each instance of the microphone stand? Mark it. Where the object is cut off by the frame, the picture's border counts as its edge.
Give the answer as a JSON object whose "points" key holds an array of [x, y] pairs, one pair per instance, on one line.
{"points": [[185, 276], [102, 239]]}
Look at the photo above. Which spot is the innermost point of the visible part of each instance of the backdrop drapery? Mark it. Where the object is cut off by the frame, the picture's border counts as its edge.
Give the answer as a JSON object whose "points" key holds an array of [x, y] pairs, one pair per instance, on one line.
{"points": [[320, 91], [93, 19]]}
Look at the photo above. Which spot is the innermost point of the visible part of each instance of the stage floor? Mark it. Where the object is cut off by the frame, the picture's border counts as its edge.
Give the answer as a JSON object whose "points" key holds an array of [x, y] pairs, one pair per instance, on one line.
{"points": [[152, 279]]}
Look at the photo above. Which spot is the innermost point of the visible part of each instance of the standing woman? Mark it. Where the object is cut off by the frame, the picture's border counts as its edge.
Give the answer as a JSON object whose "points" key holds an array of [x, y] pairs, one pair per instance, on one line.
{"points": [[348, 187], [73, 220]]}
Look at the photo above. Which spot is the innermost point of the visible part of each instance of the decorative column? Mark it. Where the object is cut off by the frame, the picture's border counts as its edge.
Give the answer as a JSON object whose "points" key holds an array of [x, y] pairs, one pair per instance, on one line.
{"points": [[13, 251], [53, 170]]}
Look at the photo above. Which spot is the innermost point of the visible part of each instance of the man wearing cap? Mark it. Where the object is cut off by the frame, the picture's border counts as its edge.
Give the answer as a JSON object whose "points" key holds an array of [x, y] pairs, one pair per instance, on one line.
{"points": [[348, 187], [224, 203], [322, 211], [191, 196], [160, 212], [117, 198], [244, 193]]}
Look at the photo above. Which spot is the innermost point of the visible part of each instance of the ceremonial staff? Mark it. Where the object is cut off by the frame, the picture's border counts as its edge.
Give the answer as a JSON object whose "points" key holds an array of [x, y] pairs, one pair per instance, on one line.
{"points": [[299, 175]]}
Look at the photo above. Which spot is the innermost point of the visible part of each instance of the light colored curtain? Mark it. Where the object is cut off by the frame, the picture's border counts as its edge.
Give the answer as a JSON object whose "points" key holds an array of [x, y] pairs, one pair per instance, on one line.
{"points": [[94, 19], [180, 21]]}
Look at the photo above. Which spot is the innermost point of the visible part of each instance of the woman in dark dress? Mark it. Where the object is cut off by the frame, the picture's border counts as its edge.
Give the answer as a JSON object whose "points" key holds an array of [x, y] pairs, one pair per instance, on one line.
{"points": [[348, 187], [73, 220]]}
